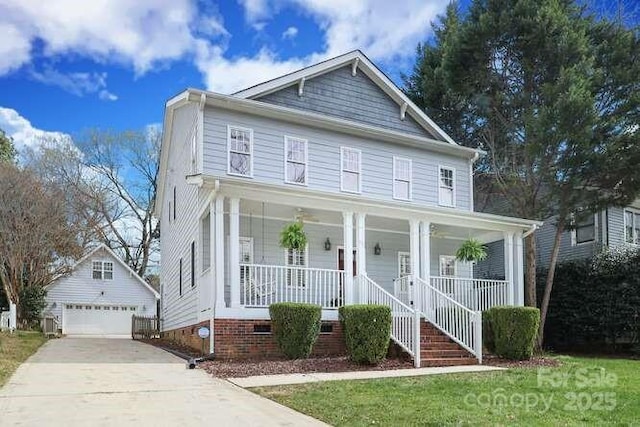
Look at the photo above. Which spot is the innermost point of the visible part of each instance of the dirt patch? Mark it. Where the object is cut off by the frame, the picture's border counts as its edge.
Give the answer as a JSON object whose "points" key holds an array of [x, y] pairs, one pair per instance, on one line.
{"points": [[534, 362], [248, 368]]}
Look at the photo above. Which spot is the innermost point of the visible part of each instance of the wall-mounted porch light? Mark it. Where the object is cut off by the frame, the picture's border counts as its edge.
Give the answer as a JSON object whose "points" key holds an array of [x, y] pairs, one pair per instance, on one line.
{"points": [[327, 245], [377, 250]]}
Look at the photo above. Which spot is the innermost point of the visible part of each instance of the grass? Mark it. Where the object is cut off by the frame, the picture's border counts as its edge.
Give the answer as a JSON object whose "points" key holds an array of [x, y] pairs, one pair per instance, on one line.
{"points": [[582, 391], [16, 348]]}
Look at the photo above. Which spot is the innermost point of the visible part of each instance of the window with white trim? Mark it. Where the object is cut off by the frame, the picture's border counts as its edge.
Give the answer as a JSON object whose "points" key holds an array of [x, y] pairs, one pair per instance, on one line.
{"points": [[296, 258], [404, 264], [447, 186], [584, 230], [205, 241], [350, 170], [447, 265], [102, 270], [240, 146], [401, 178], [246, 256], [632, 226], [296, 159]]}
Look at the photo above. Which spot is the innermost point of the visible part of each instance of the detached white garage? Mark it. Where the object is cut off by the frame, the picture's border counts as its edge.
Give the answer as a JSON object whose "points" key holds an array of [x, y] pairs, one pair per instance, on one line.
{"points": [[100, 296]]}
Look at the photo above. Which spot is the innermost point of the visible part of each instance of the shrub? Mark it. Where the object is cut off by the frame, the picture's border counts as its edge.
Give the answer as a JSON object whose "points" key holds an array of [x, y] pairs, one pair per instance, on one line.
{"points": [[514, 331], [367, 331], [296, 327], [487, 333]]}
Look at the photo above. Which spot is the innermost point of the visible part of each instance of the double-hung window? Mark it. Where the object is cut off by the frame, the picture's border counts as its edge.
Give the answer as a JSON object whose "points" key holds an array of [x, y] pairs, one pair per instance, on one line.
{"points": [[447, 265], [447, 194], [296, 258], [246, 257], [584, 230], [632, 226], [295, 168], [350, 170], [401, 178], [404, 264], [102, 270], [240, 146]]}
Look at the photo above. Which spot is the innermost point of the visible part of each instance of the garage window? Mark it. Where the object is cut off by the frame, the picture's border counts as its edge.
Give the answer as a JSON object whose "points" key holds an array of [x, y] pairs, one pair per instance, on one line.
{"points": [[102, 270]]}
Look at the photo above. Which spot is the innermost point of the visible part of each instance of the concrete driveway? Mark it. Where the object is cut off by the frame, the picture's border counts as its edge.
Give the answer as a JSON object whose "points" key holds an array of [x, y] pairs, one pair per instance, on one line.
{"points": [[118, 382]]}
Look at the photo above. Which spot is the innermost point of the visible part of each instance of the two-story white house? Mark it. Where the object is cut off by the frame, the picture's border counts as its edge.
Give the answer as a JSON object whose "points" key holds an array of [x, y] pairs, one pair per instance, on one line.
{"points": [[385, 196]]}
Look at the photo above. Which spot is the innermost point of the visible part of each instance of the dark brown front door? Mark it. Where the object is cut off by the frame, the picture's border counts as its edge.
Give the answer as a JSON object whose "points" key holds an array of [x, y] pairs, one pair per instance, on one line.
{"points": [[341, 261]]}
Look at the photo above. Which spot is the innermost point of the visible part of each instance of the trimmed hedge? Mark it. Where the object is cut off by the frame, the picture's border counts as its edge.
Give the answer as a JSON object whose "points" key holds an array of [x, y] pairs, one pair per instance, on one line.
{"points": [[367, 331], [296, 327], [595, 305], [513, 331]]}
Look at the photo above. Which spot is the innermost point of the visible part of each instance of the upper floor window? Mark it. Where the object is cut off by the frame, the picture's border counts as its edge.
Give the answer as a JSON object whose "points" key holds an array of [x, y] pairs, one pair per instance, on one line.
{"points": [[447, 194], [240, 146], [296, 159], [350, 172], [102, 270], [631, 226], [401, 178], [584, 230]]}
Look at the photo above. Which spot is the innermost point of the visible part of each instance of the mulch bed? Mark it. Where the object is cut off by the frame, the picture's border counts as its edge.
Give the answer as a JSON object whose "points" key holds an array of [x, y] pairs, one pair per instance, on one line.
{"points": [[248, 368], [534, 362]]}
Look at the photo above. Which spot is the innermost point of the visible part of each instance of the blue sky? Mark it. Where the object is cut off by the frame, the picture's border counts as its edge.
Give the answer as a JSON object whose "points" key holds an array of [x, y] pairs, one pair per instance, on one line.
{"points": [[65, 68]]}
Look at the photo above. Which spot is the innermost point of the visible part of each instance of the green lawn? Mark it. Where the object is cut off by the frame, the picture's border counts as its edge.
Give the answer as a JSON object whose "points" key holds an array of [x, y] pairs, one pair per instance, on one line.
{"points": [[581, 391], [15, 349]]}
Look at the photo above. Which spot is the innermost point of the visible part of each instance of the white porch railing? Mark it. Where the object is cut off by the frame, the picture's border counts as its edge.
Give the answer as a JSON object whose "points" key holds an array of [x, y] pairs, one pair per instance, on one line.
{"points": [[262, 285], [461, 324], [402, 289], [405, 322], [475, 294]]}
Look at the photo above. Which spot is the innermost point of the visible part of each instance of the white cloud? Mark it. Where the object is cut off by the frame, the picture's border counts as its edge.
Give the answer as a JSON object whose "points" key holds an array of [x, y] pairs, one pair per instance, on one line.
{"points": [[79, 84], [256, 12], [141, 33], [23, 132], [290, 33]]}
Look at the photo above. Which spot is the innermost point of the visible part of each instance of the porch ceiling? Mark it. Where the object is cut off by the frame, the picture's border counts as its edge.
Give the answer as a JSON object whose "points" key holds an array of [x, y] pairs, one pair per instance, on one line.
{"points": [[332, 218]]}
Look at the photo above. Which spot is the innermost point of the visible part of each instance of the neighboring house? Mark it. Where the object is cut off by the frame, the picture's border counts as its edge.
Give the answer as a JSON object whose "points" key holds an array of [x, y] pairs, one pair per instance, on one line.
{"points": [[100, 296], [386, 198], [608, 228]]}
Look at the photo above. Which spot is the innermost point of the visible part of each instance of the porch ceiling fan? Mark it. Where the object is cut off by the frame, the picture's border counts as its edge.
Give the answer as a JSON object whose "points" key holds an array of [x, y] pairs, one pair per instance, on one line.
{"points": [[303, 216]]}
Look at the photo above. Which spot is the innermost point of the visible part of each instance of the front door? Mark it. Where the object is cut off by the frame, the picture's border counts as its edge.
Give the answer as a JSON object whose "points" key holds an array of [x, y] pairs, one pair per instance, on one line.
{"points": [[338, 302]]}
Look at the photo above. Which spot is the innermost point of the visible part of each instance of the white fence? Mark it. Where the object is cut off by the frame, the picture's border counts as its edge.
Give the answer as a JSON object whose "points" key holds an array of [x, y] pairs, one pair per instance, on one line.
{"points": [[475, 294], [461, 324], [262, 285], [405, 322]]}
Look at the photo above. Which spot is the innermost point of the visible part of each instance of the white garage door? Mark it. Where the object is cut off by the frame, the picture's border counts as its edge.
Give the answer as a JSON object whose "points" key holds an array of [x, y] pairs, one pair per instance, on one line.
{"points": [[94, 319]]}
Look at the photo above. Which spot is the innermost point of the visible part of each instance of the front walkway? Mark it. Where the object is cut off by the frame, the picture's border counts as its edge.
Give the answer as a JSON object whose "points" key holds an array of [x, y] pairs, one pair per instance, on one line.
{"points": [[99, 381], [287, 379]]}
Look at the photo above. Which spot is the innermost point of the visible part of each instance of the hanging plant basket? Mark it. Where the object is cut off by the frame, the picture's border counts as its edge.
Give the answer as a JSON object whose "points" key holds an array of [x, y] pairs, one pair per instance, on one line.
{"points": [[471, 250], [293, 236]]}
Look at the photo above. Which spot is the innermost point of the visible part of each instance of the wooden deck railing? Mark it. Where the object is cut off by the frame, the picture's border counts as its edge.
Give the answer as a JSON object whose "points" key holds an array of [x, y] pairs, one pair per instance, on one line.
{"points": [[145, 327]]}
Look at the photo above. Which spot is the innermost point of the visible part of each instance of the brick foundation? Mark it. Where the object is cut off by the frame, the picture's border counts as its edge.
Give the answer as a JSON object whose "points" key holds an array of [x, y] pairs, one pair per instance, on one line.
{"points": [[238, 339]]}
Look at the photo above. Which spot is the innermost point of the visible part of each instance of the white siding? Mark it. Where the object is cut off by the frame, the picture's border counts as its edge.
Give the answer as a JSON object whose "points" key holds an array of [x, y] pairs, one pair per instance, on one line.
{"points": [[324, 159], [81, 288]]}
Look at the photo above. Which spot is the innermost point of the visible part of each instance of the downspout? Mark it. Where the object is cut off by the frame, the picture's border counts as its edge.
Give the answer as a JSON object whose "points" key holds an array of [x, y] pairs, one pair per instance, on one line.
{"points": [[473, 160], [214, 296], [529, 232]]}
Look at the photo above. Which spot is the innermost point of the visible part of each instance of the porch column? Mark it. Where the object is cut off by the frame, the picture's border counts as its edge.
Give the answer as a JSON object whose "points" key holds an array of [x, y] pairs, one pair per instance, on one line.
{"points": [[361, 249], [234, 251], [414, 255], [519, 276], [218, 239], [425, 244], [508, 266], [347, 228]]}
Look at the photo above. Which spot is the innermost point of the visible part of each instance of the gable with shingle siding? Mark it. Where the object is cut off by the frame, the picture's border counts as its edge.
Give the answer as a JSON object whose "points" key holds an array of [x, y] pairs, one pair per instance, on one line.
{"points": [[340, 94]]}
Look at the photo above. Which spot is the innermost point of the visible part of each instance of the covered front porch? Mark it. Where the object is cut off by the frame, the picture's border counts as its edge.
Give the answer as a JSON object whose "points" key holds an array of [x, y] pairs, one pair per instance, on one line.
{"points": [[343, 245]]}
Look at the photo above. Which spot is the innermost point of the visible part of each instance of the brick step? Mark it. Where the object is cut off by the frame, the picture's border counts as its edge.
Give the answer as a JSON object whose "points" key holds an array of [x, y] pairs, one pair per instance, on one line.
{"points": [[440, 346], [448, 361], [435, 338], [440, 354]]}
